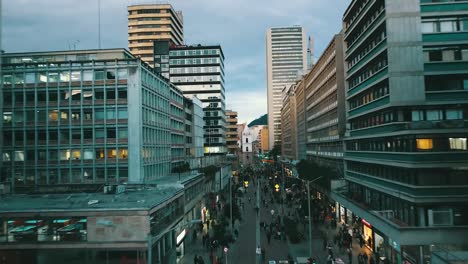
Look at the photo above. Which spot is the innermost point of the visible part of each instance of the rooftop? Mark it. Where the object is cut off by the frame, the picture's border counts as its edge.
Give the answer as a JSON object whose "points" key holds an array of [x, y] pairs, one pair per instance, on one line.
{"points": [[138, 198]]}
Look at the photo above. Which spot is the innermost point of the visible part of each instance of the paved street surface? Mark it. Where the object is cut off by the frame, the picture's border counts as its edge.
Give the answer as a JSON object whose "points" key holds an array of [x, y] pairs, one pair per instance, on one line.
{"points": [[243, 250]]}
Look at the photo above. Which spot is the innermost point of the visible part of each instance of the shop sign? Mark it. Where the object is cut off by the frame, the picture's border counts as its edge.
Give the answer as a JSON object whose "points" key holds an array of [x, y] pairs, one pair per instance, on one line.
{"points": [[181, 236], [394, 244], [366, 223]]}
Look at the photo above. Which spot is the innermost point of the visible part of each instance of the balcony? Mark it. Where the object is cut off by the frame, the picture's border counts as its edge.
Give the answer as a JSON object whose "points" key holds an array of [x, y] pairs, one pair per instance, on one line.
{"points": [[426, 159]]}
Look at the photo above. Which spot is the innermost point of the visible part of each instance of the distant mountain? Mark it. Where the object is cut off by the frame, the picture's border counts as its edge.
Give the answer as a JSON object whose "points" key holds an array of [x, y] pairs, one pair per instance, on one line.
{"points": [[263, 120]]}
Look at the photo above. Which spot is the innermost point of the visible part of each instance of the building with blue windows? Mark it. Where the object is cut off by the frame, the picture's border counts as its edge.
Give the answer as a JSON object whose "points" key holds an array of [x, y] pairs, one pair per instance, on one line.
{"points": [[86, 117]]}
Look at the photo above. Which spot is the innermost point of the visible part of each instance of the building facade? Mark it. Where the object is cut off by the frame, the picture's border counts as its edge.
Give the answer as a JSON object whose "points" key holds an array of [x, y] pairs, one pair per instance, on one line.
{"points": [[199, 70], [286, 58], [263, 139], [325, 107], [289, 124], [247, 139], [150, 23], [406, 151], [231, 132], [67, 115]]}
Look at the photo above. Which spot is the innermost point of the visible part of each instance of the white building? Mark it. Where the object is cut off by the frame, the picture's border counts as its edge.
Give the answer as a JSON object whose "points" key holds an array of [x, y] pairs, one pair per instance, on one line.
{"points": [[286, 57], [249, 135]]}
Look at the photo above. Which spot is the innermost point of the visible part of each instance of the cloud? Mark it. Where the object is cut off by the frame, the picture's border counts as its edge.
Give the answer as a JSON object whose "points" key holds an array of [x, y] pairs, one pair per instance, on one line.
{"points": [[239, 26], [248, 104]]}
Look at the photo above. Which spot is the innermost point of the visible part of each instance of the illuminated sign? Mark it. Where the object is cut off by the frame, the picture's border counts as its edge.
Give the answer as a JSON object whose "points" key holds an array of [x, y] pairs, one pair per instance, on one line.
{"points": [[180, 237], [366, 223]]}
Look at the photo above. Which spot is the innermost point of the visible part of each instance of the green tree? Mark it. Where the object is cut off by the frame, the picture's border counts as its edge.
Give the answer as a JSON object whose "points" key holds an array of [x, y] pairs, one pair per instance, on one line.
{"points": [[275, 151]]}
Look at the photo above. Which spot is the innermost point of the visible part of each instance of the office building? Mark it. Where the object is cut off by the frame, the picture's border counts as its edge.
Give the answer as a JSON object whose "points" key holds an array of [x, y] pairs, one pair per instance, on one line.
{"points": [[67, 115], [150, 23], [231, 132], [289, 124], [199, 70], [325, 107], [286, 59], [407, 109]]}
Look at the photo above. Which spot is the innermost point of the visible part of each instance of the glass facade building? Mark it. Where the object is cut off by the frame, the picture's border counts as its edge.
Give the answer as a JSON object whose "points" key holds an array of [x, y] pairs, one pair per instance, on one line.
{"points": [[84, 117]]}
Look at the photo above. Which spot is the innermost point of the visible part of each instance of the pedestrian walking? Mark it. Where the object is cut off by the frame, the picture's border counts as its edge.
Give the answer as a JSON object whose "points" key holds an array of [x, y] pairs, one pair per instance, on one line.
{"points": [[200, 260], [269, 237], [365, 258], [263, 255], [195, 259], [350, 255]]}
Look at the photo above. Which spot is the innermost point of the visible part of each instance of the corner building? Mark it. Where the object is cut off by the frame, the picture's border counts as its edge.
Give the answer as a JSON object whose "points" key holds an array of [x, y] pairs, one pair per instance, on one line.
{"points": [[407, 110], [84, 117]]}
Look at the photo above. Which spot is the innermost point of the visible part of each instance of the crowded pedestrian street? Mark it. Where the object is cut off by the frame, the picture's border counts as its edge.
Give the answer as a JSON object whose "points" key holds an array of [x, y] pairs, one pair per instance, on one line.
{"points": [[330, 241]]}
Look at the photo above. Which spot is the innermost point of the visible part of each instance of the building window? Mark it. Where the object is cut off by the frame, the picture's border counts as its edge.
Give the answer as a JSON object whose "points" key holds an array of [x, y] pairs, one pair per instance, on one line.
{"points": [[435, 55], [434, 115], [453, 114], [417, 115], [458, 143], [424, 143]]}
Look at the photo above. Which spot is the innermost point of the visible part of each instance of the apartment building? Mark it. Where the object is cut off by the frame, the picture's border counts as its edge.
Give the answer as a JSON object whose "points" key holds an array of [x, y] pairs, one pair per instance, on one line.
{"points": [[150, 23], [407, 110]]}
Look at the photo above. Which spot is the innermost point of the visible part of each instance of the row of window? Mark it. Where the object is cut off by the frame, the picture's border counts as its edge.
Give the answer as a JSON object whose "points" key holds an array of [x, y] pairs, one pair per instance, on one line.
{"points": [[372, 42], [152, 117], [194, 61], [446, 54], [356, 12], [155, 101], [12, 138], [21, 116], [448, 82], [64, 76], [370, 95], [194, 70], [29, 176], [194, 52], [66, 154], [371, 69], [29, 98], [418, 177], [199, 78], [407, 115], [445, 25], [152, 135], [408, 144], [364, 26]]}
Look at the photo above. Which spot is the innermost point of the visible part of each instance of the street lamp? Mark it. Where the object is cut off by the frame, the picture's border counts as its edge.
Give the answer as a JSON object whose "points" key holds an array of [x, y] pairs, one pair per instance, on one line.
{"points": [[310, 218], [151, 239]]}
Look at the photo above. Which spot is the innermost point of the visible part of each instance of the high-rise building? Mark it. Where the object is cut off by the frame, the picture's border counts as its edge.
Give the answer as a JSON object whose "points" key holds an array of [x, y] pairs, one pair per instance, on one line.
{"points": [[231, 131], [150, 23], [69, 118], [263, 139], [325, 107], [407, 109], [286, 59], [199, 70]]}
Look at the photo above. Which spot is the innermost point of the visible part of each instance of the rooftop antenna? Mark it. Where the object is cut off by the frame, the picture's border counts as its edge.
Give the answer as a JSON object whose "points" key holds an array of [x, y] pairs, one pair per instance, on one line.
{"points": [[99, 24]]}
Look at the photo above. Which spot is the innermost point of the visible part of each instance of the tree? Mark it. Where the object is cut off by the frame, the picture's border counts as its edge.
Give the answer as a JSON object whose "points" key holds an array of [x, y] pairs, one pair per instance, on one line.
{"points": [[275, 151], [184, 167], [235, 211]]}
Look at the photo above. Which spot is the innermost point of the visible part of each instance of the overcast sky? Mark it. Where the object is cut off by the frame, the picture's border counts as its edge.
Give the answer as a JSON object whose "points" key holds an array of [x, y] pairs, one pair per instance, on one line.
{"points": [[238, 25]]}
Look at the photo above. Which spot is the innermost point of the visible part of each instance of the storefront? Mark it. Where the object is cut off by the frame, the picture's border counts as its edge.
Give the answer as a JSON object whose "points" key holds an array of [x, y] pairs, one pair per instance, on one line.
{"points": [[367, 234]]}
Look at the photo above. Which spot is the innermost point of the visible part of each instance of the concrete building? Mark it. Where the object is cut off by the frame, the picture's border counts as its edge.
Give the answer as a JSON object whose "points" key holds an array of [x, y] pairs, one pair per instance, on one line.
{"points": [[194, 142], [406, 147], [289, 124], [67, 117], [286, 58], [231, 132], [150, 23], [325, 107], [263, 139], [301, 130], [199, 70]]}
